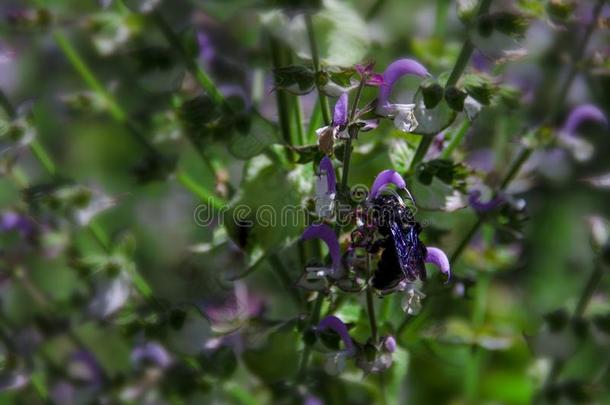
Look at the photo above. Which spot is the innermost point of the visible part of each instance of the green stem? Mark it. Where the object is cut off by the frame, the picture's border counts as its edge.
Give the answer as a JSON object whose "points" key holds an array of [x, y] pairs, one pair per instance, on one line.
{"points": [[315, 56], [375, 9], [43, 157], [513, 170], [456, 73], [353, 134], [576, 58], [315, 122], [583, 302], [472, 371], [589, 290], [370, 306], [456, 139], [467, 49], [115, 110], [11, 112], [314, 319], [200, 75], [280, 95], [420, 152]]}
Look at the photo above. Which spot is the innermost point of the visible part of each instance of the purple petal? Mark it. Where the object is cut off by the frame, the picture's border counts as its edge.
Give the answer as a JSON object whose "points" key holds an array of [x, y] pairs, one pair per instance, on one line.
{"points": [[439, 259], [474, 200], [580, 114], [375, 80], [325, 233], [368, 125], [326, 165], [337, 325], [152, 353], [340, 114], [206, 50], [383, 179], [365, 70], [395, 71], [390, 344], [84, 366]]}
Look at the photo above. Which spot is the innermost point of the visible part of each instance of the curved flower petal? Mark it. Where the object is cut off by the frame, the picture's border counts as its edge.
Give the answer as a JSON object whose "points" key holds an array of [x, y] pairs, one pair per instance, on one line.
{"points": [[474, 200], [337, 325], [151, 352], [582, 113], [326, 165], [440, 260], [340, 113], [389, 344], [325, 233], [383, 179], [395, 71]]}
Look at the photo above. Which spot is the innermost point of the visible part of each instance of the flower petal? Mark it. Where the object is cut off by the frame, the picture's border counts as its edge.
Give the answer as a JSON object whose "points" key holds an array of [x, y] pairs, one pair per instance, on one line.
{"points": [[440, 260], [474, 200], [383, 179], [393, 72], [340, 113], [326, 165], [337, 325], [390, 344], [152, 353], [325, 233], [582, 113]]}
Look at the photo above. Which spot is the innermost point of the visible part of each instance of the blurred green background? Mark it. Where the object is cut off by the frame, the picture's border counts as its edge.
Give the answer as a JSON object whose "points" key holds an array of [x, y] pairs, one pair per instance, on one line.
{"points": [[91, 86]]}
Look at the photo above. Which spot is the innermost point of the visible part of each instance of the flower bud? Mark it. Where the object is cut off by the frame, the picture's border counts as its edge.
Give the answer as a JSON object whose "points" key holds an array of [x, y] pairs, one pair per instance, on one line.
{"points": [[455, 98], [432, 92]]}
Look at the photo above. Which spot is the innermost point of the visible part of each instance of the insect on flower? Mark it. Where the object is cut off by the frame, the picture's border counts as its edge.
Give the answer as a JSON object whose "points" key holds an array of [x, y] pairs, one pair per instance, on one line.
{"points": [[404, 255]]}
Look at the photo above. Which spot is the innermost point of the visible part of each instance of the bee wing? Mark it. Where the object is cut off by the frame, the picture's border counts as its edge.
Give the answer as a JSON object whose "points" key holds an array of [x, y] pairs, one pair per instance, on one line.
{"points": [[417, 253], [410, 252], [402, 248]]}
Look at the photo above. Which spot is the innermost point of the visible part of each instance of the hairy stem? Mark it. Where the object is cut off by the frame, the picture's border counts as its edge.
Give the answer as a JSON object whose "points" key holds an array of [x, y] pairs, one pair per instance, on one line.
{"points": [[456, 73], [370, 306], [456, 139], [198, 73]]}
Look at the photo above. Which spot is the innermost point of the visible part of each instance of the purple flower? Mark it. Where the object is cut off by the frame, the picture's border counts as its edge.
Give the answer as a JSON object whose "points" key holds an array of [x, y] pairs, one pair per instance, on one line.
{"points": [[474, 200], [237, 308], [13, 380], [340, 113], [439, 259], [393, 72], [12, 221], [366, 73], [325, 233], [83, 366], [337, 129], [389, 343], [206, 49], [383, 179], [326, 185], [580, 114], [150, 353], [326, 166], [335, 324]]}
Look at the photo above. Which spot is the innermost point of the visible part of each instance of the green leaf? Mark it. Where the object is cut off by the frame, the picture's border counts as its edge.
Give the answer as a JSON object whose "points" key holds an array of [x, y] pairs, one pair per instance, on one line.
{"points": [[346, 34], [267, 215], [277, 360], [260, 135]]}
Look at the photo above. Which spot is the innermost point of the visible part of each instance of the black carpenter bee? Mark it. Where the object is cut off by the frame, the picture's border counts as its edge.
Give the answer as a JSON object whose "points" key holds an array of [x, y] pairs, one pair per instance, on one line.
{"points": [[403, 253]]}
